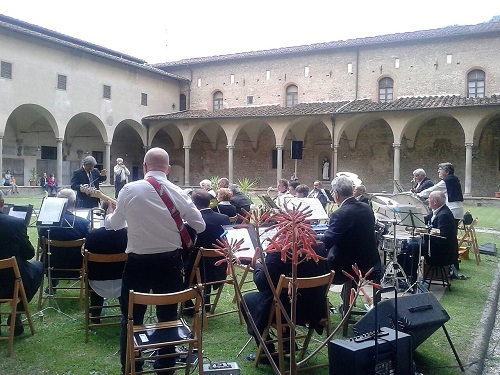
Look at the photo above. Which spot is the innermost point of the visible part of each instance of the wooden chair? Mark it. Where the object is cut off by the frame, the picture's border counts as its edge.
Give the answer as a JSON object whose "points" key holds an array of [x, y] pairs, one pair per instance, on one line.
{"points": [[58, 270], [148, 338], [277, 323], [245, 283], [9, 267], [110, 313], [467, 240], [214, 295]]}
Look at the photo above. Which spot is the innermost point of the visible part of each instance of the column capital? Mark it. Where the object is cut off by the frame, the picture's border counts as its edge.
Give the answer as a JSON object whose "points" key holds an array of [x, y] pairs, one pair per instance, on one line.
{"points": [[469, 144], [186, 147], [335, 148], [396, 145], [279, 147], [230, 147], [107, 143], [59, 140]]}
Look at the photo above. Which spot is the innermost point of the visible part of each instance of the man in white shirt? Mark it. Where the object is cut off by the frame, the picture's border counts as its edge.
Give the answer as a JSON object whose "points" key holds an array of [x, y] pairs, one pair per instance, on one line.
{"points": [[121, 174], [154, 243]]}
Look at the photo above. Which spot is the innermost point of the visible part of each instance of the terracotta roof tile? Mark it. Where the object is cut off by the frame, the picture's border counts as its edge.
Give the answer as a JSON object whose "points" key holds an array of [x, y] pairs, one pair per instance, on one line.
{"points": [[330, 108]]}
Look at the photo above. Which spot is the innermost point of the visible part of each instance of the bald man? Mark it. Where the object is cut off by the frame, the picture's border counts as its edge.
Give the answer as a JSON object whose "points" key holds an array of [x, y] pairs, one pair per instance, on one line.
{"points": [[154, 242]]}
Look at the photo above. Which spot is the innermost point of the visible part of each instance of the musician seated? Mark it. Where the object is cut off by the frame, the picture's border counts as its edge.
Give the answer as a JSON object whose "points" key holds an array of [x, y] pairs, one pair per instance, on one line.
{"points": [[440, 243], [105, 279], [310, 305], [302, 191], [72, 228], [207, 239]]}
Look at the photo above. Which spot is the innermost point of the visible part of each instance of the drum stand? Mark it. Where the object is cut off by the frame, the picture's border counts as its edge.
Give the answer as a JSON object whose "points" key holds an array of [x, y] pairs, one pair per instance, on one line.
{"points": [[394, 273]]}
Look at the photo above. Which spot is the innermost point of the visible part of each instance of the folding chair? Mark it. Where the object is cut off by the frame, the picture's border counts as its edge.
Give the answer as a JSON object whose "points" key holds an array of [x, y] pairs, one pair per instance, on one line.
{"points": [[277, 322], [110, 313], [150, 338], [213, 295], [245, 283], [64, 262], [9, 266], [467, 240]]}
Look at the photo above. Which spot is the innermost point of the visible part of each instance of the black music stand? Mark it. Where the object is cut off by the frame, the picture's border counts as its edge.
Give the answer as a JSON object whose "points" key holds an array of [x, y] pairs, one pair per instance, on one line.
{"points": [[20, 211], [52, 216], [414, 220]]}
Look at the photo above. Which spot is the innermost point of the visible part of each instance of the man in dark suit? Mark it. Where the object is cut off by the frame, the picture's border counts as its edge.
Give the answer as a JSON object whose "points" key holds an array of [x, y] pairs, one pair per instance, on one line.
{"points": [[240, 201], [87, 175], [105, 279], [359, 190], [72, 228], [421, 181], [14, 241], [44, 183], [310, 304], [440, 245], [350, 237], [208, 238]]}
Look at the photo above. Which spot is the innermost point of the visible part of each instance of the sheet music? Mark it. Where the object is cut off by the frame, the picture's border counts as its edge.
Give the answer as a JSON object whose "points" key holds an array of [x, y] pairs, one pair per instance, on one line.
{"points": [[52, 210], [241, 232], [18, 214], [318, 212]]}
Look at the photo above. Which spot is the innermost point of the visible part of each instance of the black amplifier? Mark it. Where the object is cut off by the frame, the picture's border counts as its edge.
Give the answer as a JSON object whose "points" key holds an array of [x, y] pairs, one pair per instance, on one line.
{"points": [[359, 355]]}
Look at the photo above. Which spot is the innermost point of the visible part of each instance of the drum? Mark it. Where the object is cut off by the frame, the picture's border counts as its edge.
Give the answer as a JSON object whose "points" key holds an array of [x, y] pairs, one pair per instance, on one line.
{"points": [[402, 241], [410, 199]]}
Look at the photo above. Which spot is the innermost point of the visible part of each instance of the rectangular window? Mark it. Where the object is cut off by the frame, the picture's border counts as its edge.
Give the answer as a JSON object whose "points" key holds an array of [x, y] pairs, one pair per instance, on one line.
{"points": [[144, 99], [61, 82], [306, 71], [249, 100], [349, 68], [448, 58], [268, 75], [6, 70], [232, 79], [199, 82], [48, 153], [106, 92], [396, 63]]}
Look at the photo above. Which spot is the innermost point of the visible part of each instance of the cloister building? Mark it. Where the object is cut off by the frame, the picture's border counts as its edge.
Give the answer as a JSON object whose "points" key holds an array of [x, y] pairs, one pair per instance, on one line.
{"points": [[378, 106]]}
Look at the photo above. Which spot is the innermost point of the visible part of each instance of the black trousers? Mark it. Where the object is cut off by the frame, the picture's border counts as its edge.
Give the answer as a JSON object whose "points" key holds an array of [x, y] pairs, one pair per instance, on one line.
{"points": [[159, 273]]}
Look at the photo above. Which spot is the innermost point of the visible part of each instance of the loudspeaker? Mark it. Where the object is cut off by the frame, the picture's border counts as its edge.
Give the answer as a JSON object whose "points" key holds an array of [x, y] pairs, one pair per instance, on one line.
{"points": [[419, 315], [359, 356], [297, 150]]}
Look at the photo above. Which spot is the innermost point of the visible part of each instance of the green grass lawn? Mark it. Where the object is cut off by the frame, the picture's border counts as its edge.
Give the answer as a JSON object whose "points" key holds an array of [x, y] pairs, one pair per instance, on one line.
{"points": [[58, 346]]}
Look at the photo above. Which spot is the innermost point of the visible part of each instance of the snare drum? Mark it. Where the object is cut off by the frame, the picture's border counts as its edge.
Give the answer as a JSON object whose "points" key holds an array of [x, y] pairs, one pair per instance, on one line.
{"points": [[402, 241]]}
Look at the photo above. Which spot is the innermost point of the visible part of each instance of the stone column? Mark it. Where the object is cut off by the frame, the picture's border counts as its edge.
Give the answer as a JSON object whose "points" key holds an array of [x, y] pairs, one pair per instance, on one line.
{"points": [[397, 159], [59, 174], [335, 160], [279, 161], [468, 169], [107, 159], [186, 165], [230, 158], [1, 156]]}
